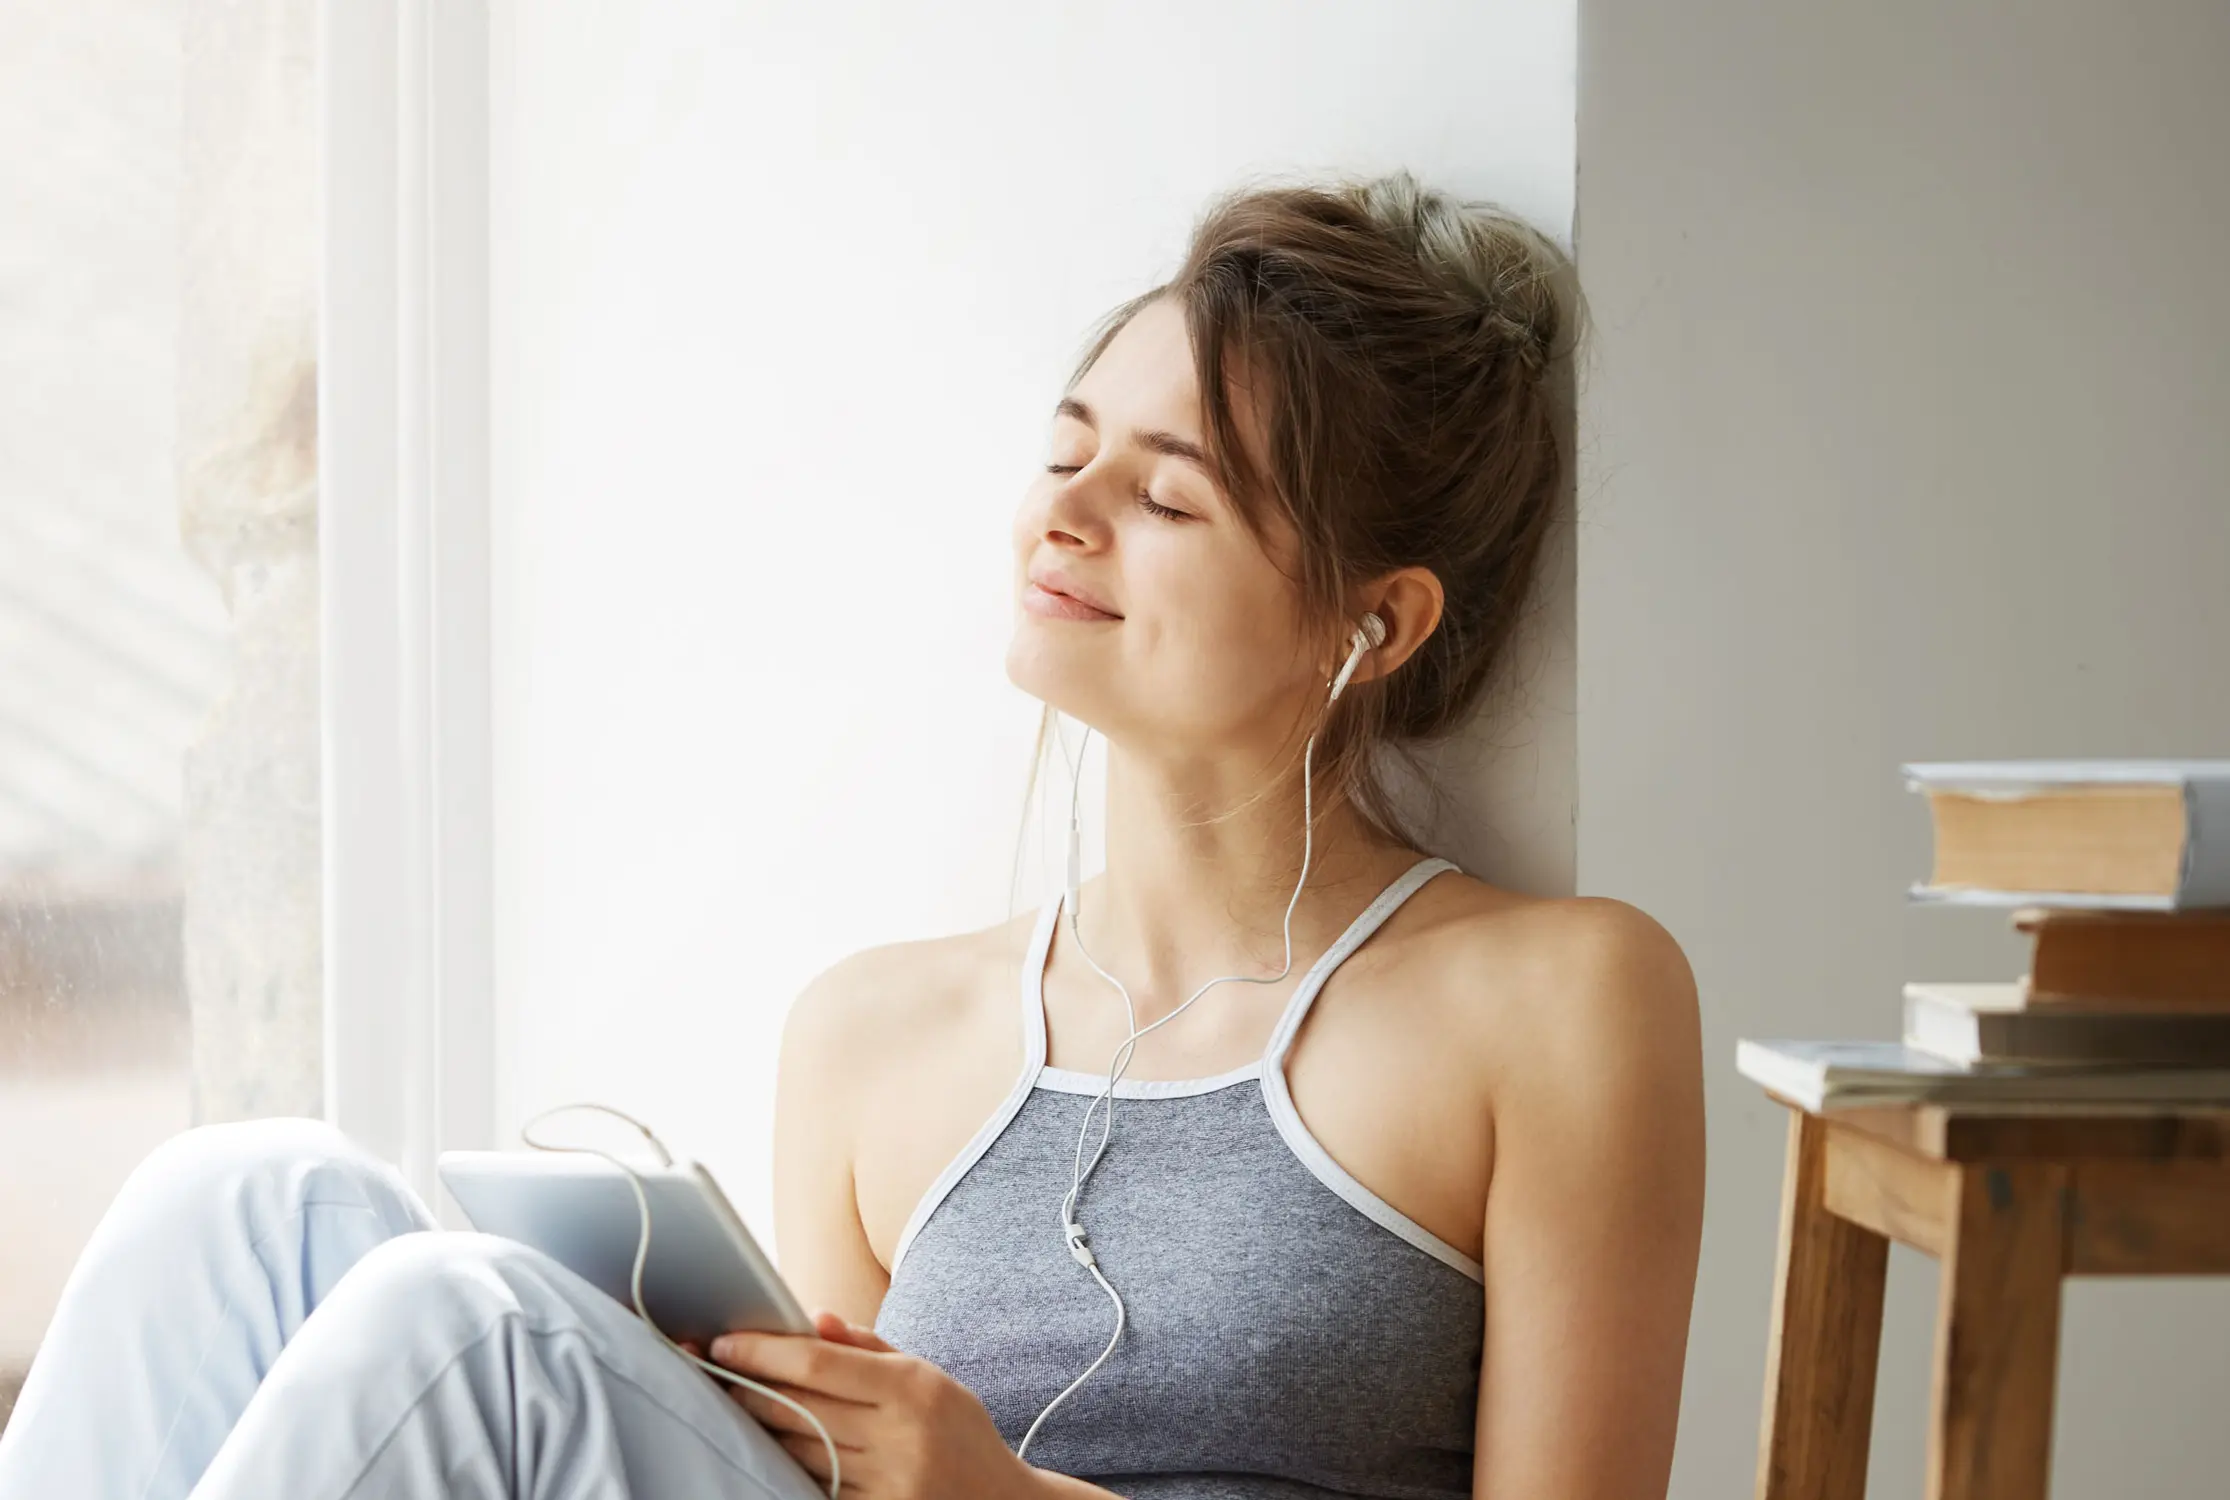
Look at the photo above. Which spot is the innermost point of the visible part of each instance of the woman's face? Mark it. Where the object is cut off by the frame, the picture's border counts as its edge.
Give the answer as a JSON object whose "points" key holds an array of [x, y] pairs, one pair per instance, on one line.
{"points": [[1146, 608]]}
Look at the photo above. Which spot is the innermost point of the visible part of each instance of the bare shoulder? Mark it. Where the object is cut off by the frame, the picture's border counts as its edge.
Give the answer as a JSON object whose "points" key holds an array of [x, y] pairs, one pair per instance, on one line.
{"points": [[900, 1001], [887, 1059], [1565, 986]]}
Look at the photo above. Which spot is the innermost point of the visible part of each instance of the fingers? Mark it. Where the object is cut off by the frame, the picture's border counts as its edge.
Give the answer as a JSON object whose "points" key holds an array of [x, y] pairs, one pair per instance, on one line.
{"points": [[823, 1366], [811, 1456], [833, 1327], [845, 1421]]}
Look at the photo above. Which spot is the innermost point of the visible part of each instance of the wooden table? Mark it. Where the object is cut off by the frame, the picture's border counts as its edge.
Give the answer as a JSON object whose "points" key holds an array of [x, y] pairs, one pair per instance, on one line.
{"points": [[2008, 1204]]}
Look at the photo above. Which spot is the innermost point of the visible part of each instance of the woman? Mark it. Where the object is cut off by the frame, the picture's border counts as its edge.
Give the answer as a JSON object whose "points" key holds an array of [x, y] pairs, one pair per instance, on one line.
{"points": [[1408, 1206]]}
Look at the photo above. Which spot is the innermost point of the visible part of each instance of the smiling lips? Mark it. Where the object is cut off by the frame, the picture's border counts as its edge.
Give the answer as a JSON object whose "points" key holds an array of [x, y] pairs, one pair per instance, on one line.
{"points": [[1055, 596]]}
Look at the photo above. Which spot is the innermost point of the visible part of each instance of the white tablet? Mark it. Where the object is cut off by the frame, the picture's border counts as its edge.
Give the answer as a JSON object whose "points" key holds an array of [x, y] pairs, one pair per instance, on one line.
{"points": [[705, 1275]]}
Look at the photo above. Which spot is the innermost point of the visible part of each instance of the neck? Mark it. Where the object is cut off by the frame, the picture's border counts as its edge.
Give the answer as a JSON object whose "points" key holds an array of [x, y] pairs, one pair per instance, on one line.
{"points": [[1202, 859]]}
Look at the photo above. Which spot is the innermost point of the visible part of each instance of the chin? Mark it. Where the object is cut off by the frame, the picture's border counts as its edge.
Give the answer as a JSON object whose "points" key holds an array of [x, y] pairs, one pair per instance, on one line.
{"points": [[1056, 672]]}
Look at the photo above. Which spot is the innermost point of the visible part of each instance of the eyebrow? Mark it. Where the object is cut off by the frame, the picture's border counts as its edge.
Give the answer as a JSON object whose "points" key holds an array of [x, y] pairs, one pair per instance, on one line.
{"points": [[1154, 439]]}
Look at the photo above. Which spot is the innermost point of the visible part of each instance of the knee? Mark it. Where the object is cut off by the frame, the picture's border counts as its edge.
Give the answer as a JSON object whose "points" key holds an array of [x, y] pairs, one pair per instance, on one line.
{"points": [[501, 1320], [208, 1152], [200, 1164], [454, 1280], [270, 1166]]}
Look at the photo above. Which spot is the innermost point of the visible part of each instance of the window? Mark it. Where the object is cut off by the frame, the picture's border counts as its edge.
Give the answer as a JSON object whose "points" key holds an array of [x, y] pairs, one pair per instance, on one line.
{"points": [[159, 925]]}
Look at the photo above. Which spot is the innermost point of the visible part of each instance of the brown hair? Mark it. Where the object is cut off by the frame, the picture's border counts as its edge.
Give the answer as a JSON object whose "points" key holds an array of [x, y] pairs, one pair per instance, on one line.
{"points": [[1403, 340]]}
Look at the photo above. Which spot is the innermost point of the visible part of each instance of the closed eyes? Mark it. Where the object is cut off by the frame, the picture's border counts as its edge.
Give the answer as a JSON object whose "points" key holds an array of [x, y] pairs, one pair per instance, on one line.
{"points": [[1146, 501]]}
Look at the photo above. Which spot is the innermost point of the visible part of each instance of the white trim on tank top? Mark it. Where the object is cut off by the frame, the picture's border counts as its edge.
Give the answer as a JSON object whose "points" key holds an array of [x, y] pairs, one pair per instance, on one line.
{"points": [[1279, 1099], [1269, 1069], [1070, 1081]]}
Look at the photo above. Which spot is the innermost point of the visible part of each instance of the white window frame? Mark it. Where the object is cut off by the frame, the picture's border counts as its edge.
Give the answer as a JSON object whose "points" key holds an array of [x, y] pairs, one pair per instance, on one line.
{"points": [[403, 419]]}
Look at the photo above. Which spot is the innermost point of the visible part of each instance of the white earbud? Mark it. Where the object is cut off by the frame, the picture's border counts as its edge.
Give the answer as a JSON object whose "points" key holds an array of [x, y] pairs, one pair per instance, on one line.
{"points": [[1368, 636]]}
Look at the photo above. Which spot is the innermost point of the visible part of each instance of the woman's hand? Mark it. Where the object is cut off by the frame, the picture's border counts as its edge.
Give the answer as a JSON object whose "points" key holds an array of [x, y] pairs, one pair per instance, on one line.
{"points": [[905, 1429]]}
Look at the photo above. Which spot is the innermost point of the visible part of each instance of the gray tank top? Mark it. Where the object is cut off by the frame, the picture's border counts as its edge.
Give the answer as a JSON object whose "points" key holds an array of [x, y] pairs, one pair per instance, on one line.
{"points": [[1291, 1334]]}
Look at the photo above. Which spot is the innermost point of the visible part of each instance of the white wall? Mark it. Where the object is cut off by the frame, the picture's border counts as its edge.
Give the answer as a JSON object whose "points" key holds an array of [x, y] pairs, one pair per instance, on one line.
{"points": [[785, 292], [1904, 440]]}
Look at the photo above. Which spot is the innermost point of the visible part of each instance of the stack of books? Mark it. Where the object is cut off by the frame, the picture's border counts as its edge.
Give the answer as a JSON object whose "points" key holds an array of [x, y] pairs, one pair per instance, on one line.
{"points": [[2118, 872]]}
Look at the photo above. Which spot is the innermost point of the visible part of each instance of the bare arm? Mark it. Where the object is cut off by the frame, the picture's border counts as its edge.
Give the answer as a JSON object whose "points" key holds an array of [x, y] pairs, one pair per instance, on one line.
{"points": [[819, 1240], [1593, 1220]]}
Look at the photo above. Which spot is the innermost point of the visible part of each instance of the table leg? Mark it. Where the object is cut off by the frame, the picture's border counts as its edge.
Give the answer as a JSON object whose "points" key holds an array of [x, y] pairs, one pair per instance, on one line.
{"points": [[1998, 1336], [1827, 1332]]}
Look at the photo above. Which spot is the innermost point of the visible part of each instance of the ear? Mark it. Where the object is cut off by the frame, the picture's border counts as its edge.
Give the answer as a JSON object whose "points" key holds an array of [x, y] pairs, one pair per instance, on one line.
{"points": [[1409, 600]]}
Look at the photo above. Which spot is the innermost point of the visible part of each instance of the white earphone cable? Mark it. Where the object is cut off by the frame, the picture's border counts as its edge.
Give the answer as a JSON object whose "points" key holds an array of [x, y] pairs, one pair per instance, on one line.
{"points": [[1072, 1231], [1081, 1171], [642, 1255]]}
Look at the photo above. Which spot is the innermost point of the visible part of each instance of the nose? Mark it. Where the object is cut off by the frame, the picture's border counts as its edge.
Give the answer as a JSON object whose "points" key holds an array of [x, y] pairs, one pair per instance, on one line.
{"points": [[1070, 515]]}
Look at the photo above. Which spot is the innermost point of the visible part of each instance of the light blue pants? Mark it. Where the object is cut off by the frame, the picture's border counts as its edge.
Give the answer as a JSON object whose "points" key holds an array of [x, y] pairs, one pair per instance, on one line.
{"points": [[257, 1318]]}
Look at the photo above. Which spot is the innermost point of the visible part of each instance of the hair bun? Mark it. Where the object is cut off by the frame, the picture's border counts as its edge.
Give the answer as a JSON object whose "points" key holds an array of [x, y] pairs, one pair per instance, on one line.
{"points": [[1495, 261]]}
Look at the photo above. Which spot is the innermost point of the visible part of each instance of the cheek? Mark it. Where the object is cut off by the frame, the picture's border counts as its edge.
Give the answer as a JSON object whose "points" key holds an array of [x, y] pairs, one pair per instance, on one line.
{"points": [[1227, 624]]}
